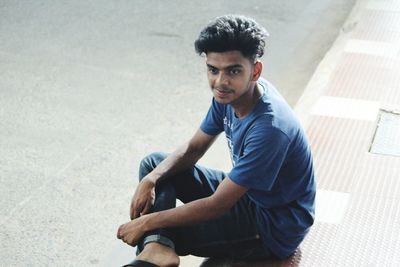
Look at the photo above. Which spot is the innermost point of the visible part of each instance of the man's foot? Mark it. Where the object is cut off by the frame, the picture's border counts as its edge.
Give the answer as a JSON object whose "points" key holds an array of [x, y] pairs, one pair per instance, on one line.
{"points": [[160, 255]]}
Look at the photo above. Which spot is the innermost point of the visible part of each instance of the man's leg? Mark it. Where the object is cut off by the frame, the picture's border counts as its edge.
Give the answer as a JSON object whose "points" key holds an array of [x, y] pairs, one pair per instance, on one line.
{"points": [[165, 199], [194, 183], [157, 246], [233, 235]]}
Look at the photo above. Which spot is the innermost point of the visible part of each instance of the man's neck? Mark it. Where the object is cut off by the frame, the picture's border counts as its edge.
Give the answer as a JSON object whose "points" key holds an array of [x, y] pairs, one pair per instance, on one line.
{"points": [[247, 102]]}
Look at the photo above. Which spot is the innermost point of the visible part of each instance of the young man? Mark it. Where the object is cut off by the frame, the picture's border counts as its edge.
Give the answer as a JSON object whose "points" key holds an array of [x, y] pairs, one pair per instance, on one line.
{"points": [[264, 206]]}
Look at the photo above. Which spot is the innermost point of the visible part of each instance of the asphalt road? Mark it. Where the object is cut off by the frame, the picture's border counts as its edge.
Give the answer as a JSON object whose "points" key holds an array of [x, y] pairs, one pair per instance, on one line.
{"points": [[87, 88]]}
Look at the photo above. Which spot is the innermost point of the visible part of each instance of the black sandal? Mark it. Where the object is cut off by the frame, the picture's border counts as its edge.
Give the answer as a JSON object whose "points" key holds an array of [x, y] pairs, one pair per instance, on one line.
{"points": [[139, 263]]}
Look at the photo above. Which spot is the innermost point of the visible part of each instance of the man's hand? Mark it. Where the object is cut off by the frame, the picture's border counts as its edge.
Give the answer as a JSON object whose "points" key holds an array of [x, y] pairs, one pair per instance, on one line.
{"points": [[132, 231], [143, 199]]}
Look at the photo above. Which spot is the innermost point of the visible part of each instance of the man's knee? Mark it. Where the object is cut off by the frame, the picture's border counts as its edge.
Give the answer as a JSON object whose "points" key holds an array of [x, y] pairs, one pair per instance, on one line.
{"points": [[150, 162]]}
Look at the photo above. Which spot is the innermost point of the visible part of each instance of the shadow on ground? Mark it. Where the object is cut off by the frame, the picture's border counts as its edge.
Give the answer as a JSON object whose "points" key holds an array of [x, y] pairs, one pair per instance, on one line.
{"points": [[292, 261]]}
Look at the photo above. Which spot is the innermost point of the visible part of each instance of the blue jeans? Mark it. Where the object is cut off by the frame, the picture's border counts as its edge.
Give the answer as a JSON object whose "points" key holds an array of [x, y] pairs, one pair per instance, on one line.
{"points": [[232, 235]]}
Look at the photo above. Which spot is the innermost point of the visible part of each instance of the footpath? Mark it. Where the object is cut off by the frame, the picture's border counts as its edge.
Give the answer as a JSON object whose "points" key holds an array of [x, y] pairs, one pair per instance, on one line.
{"points": [[350, 109]]}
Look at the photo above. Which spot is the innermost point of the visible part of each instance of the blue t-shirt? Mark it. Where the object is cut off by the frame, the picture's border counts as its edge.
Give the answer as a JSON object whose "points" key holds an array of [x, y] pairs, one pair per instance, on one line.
{"points": [[271, 157]]}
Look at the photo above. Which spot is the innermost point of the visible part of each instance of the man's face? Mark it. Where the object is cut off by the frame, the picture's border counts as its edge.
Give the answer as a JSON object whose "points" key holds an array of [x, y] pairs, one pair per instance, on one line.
{"points": [[230, 75]]}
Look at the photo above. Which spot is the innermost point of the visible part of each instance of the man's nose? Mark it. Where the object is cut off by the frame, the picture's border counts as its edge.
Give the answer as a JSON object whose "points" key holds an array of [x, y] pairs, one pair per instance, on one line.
{"points": [[221, 79]]}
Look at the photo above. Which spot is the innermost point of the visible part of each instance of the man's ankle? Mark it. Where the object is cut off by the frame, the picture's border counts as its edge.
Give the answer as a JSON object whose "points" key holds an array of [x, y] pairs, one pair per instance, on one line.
{"points": [[159, 254], [154, 246]]}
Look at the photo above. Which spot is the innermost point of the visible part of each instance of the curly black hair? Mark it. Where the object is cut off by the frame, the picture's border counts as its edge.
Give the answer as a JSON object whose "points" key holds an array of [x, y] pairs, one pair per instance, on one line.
{"points": [[233, 32]]}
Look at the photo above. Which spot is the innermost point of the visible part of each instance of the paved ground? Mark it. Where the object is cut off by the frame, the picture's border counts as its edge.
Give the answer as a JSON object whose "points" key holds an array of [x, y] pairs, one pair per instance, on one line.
{"points": [[351, 109], [88, 88]]}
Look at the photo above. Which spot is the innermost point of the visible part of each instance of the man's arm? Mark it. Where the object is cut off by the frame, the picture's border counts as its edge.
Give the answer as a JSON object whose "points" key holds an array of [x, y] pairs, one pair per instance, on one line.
{"points": [[183, 158], [227, 194]]}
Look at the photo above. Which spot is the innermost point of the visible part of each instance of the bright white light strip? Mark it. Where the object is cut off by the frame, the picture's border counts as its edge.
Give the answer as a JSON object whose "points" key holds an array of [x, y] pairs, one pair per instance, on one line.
{"points": [[331, 206], [372, 48], [384, 5], [346, 108]]}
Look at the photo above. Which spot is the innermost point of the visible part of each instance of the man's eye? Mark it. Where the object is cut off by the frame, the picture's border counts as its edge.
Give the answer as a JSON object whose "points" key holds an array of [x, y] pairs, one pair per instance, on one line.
{"points": [[234, 71], [212, 71]]}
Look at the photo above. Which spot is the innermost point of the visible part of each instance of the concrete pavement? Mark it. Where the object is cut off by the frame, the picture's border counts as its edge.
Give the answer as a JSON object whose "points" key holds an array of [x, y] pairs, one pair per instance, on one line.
{"points": [[351, 112], [85, 89]]}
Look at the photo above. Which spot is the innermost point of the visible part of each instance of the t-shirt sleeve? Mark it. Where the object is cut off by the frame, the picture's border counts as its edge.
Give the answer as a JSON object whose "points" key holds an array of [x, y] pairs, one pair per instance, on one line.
{"points": [[264, 153], [213, 122]]}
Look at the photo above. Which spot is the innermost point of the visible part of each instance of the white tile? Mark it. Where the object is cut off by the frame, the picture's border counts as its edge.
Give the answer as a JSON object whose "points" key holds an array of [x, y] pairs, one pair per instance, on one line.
{"points": [[384, 5], [346, 108], [331, 206], [372, 48]]}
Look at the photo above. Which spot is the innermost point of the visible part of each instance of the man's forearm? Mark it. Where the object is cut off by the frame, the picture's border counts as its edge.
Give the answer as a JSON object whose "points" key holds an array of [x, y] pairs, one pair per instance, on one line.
{"points": [[204, 209], [181, 159], [191, 213]]}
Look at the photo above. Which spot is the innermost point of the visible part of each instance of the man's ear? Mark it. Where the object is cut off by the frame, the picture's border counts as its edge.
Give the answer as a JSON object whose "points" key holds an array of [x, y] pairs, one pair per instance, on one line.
{"points": [[257, 70]]}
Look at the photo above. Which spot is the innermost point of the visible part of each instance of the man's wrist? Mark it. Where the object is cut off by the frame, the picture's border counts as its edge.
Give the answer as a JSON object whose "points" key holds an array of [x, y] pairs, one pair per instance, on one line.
{"points": [[147, 222], [150, 179]]}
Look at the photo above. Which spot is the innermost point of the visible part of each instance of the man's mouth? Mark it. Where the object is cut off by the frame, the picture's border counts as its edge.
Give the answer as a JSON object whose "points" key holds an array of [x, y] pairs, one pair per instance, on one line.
{"points": [[222, 93]]}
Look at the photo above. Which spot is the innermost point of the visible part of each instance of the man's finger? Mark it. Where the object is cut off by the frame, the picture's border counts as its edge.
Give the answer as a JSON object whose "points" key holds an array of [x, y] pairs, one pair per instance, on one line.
{"points": [[119, 235], [136, 212], [132, 212], [146, 208], [131, 241]]}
